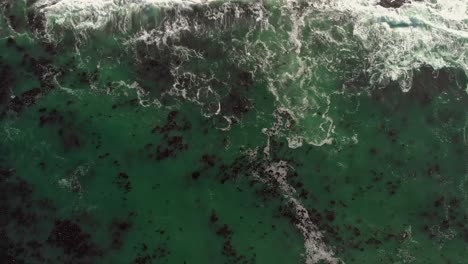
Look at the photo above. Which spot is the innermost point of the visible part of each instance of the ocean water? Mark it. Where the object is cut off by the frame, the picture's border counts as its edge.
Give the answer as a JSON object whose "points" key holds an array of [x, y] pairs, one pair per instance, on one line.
{"points": [[200, 131]]}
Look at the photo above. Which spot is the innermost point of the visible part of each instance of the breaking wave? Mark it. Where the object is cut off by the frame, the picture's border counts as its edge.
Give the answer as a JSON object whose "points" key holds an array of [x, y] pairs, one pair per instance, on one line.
{"points": [[306, 51]]}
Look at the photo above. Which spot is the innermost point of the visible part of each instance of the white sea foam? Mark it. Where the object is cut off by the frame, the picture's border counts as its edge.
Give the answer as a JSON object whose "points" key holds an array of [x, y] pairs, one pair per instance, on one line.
{"points": [[316, 250], [92, 14], [431, 32], [388, 44], [383, 44], [96, 14]]}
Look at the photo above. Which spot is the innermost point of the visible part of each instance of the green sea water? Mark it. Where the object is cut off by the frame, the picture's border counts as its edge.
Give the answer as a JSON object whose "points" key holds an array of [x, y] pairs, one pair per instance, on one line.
{"points": [[233, 132]]}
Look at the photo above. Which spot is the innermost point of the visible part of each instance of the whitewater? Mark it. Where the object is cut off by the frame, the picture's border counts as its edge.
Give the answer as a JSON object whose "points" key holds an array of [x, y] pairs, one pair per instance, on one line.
{"points": [[388, 44]]}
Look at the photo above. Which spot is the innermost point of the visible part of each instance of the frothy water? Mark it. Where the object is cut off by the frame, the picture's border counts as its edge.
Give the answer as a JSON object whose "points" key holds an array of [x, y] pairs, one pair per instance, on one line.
{"points": [[397, 40], [304, 52], [324, 38], [401, 40], [316, 250]]}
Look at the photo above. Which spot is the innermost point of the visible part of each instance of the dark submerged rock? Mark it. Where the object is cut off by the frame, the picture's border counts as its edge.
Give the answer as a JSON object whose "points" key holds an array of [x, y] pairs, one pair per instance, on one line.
{"points": [[24, 232], [157, 254], [118, 230], [68, 236], [213, 217], [69, 139], [172, 138], [7, 80], [427, 85], [393, 3], [123, 181]]}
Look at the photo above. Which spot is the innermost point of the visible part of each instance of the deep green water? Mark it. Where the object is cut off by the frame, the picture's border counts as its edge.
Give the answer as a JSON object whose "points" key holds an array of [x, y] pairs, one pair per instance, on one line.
{"points": [[226, 141]]}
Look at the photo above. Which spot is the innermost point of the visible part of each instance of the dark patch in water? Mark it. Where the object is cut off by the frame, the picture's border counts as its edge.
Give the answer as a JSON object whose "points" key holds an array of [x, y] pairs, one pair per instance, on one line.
{"points": [[67, 133], [172, 137], [7, 82], [119, 228], [39, 67], [51, 118], [195, 175], [427, 85], [25, 100], [68, 236], [173, 123], [160, 253], [446, 215], [23, 231], [227, 249], [123, 181], [213, 217], [69, 138], [393, 3], [36, 21], [235, 104]]}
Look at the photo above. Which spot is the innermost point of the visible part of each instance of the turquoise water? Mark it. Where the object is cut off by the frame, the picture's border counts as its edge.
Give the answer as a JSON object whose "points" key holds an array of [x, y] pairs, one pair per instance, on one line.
{"points": [[233, 132]]}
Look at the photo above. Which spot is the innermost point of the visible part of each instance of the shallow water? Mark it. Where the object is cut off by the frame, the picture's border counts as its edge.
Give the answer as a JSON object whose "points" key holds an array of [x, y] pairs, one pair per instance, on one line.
{"points": [[144, 131]]}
